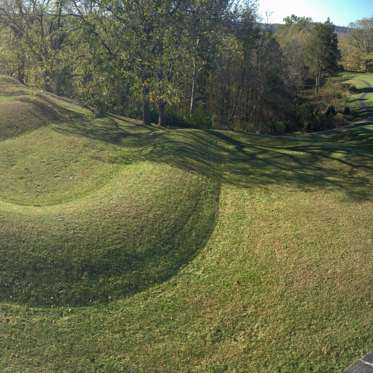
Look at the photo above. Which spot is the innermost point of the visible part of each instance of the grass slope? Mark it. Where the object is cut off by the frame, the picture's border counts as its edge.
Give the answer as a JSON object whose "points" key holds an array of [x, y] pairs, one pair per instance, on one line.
{"points": [[363, 84], [77, 227], [259, 250]]}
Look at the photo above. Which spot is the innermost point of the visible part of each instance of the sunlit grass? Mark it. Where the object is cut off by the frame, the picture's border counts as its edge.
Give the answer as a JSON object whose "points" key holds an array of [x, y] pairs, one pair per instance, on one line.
{"points": [[364, 83], [184, 250]]}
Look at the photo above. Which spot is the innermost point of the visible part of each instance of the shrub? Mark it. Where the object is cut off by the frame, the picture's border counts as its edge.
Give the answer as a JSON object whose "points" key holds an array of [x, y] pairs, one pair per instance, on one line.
{"points": [[279, 127], [199, 119], [340, 120], [305, 116]]}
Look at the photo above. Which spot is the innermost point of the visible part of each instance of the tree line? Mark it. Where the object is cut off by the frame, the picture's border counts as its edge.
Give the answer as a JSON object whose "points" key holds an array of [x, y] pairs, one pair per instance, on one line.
{"points": [[174, 62], [357, 46]]}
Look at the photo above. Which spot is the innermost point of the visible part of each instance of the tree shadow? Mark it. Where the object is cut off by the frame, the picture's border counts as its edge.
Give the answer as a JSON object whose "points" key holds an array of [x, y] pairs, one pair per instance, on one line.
{"points": [[108, 130], [340, 161], [363, 90]]}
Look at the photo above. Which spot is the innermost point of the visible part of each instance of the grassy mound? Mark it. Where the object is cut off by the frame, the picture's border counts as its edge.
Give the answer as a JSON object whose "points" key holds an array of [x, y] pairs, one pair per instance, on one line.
{"points": [[135, 231], [78, 227], [10, 87], [19, 116], [45, 167], [282, 284], [23, 110]]}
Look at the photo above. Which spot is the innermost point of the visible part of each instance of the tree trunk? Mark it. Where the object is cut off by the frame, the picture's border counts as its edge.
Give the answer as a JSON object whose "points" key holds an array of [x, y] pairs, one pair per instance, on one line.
{"points": [[161, 116], [146, 104], [194, 78], [21, 72], [318, 83], [47, 86], [21, 58]]}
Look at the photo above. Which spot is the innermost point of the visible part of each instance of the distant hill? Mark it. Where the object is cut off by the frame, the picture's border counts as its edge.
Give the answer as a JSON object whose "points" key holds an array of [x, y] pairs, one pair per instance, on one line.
{"points": [[343, 29], [273, 27]]}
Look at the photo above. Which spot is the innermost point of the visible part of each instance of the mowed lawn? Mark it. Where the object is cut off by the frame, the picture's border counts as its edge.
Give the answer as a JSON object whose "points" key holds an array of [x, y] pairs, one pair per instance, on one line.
{"points": [[363, 82], [131, 249]]}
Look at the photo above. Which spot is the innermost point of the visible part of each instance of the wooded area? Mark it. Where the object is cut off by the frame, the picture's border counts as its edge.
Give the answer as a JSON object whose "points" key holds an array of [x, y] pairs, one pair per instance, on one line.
{"points": [[187, 63]]}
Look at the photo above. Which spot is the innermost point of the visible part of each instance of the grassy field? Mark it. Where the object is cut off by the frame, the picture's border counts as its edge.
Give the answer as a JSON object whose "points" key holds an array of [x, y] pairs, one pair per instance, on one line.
{"points": [[134, 249], [364, 89]]}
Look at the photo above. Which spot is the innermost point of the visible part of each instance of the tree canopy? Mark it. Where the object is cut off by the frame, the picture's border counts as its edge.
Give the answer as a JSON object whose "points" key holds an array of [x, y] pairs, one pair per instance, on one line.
{"points": [[168, 61]]}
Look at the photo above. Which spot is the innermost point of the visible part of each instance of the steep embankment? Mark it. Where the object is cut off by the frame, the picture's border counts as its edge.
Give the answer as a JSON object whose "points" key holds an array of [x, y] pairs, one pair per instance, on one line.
{"points": [[259, 249]]}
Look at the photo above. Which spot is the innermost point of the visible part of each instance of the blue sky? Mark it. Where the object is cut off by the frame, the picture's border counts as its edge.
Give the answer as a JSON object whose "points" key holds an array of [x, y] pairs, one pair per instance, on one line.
{"points": [[341, 12]]}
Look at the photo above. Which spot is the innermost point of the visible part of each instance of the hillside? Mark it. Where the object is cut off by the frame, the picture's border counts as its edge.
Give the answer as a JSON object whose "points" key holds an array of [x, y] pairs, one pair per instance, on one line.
{"points": [[128, 248], [273, 27], [362, 97]]}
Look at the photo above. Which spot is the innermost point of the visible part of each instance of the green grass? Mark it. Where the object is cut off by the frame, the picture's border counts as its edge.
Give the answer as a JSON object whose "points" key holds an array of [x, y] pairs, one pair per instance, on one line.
{"points": [[131, 249], [363, 83]]}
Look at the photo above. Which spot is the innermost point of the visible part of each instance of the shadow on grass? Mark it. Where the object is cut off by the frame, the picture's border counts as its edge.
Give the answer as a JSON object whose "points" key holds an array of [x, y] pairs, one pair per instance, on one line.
{"points": [[355, 90], [108, 130], [83, 261], [27, 113], [341, 161], [48, 271]]}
